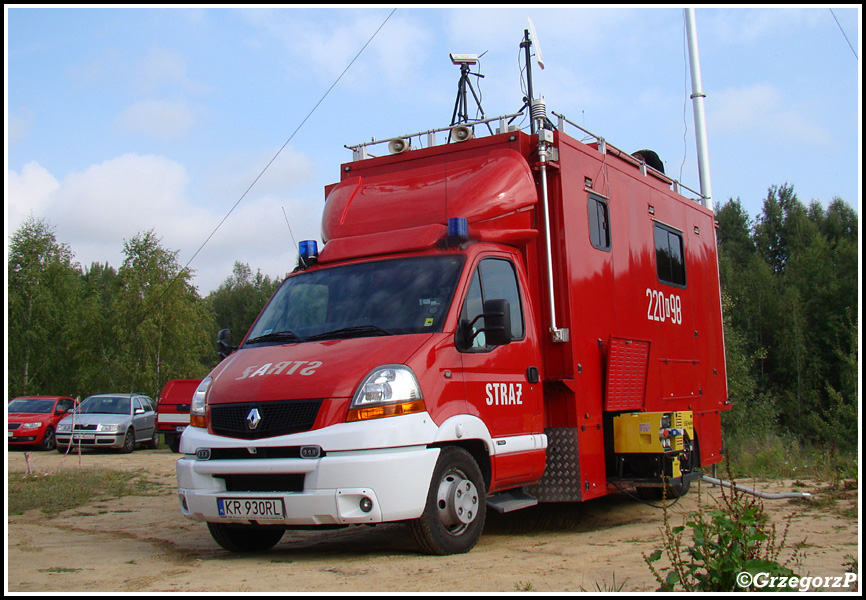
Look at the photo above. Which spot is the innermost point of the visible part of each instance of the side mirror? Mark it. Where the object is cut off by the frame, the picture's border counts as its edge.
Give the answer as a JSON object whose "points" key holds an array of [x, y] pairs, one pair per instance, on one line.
{"points": [[497, 324], [224, 343], [497, 320]]}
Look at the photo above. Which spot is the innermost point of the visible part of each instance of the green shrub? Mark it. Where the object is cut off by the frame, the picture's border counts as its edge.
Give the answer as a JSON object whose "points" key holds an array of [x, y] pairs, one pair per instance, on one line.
{"points": [[735, 538]]}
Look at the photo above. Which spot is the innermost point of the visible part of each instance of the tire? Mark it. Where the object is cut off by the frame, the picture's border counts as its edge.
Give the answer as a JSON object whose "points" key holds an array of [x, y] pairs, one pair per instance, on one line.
{"points": [[245, 538], [49, 442], [128, 442], [173, 443], [456, 506], [153, 444]]}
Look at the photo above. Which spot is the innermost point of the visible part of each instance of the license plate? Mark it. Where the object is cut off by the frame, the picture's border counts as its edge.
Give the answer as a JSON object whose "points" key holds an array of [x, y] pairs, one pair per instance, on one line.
{"points": [[180, 428], [252, 509], [83, 436]]}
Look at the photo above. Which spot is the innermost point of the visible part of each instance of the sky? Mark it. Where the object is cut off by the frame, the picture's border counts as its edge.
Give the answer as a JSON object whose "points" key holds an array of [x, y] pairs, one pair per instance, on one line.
{"points": [[124, 120]]}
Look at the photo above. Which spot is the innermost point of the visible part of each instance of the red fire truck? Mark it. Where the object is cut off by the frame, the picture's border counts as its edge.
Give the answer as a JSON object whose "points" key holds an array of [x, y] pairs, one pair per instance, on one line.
{"points": [[492, 322], [172, 409]]}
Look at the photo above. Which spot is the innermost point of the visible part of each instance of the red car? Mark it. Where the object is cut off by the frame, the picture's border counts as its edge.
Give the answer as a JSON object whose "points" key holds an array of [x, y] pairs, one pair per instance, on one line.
{"points": [[33, 420]]}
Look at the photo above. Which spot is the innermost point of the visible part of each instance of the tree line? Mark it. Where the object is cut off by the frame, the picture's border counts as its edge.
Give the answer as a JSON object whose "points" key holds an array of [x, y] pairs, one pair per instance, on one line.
{"points": [[790, 293], [789, 290], [75, 331]]}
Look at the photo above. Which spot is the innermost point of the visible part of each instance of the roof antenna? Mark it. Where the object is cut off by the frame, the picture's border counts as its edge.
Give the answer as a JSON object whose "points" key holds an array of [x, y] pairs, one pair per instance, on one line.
{"points": [[698, 106], [530, 38]]}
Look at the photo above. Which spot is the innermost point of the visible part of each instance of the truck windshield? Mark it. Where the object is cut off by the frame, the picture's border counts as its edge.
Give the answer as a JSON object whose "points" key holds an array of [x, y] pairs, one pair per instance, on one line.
{"points": [[388, 297]]}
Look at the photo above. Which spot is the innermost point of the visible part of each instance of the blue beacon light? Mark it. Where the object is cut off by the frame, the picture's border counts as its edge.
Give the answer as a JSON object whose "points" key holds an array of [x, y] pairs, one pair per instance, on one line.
{"points": [[458, 230], [309, 251]]}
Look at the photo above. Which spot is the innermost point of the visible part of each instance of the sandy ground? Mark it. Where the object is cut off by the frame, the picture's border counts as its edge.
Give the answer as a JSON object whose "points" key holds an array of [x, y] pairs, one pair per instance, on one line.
{"points": [[143, 544]]}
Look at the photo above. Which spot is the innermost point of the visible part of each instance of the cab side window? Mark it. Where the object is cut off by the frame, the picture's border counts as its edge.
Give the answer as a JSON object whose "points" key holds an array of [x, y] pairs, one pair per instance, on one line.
{"points": [[495, 278]]}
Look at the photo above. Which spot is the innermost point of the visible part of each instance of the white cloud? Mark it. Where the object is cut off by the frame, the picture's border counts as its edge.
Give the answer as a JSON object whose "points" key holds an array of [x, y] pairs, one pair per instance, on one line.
{"points": [[26, 193], [325, 41], [161, 119], [752, 25], [288, 171], [761, 108], [163, 68], [96, 210]]}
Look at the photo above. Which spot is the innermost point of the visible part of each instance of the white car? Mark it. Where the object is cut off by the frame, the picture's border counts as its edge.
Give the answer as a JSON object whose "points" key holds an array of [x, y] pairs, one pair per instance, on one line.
{"points": [[117, 421]]}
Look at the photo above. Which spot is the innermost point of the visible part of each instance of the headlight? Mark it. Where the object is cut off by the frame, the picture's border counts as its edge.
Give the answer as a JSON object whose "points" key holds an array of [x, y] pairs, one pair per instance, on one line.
{"points": [[107, 427], [198, 407], [388, 391], [35, 425], [64, 427]]}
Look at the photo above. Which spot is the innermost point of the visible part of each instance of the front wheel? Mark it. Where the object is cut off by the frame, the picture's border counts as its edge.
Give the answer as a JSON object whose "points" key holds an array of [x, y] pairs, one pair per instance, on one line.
{"points": [[48, 440], [128, 442], [456, 505], [245, 538]]}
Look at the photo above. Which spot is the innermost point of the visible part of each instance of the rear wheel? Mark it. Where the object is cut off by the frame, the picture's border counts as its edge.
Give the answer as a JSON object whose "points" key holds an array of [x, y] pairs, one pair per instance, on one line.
{"points": [[245, 538], [154, 441], [456, 507]]}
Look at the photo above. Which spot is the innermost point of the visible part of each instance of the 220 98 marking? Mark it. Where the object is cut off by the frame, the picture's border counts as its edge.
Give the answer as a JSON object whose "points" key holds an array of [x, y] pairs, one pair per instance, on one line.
{"points": [[664, 308]]}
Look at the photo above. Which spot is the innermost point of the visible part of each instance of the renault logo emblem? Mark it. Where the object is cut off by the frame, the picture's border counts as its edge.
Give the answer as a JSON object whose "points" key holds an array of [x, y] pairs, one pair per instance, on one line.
{"points": [[254, 418]]}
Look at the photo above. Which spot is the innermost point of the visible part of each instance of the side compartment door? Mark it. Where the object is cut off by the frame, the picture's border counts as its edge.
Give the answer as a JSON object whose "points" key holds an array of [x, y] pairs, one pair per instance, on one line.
{"points": [[502, 384]]}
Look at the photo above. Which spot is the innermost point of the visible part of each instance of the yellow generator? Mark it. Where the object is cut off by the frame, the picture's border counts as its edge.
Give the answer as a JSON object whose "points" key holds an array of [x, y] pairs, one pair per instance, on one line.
{"points": [[655, 450]]}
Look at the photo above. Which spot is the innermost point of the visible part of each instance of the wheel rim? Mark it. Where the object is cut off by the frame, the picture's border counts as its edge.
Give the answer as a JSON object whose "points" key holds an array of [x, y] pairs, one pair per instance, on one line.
{"points": [[456, 501]]}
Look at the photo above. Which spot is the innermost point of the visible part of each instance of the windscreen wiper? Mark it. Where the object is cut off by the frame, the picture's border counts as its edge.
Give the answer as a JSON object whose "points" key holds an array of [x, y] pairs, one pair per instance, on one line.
{"points": [[275, 336], [357, 330]]}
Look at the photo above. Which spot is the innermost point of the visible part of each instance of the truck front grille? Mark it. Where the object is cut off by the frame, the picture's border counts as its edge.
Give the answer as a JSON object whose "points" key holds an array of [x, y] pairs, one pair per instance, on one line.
{"points": [[275, 482], [275, 418]]}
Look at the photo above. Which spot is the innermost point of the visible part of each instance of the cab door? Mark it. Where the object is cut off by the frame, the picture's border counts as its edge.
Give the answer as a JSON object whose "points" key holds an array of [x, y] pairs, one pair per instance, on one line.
{"points": [[501, 381]]}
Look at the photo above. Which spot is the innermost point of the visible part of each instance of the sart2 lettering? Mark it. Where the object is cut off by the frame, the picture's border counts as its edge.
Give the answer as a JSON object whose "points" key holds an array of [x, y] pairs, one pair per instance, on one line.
{"points": [[288, 367]]}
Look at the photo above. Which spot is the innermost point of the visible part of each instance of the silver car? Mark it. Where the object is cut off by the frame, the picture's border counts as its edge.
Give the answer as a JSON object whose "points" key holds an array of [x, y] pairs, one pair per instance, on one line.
{"points": [[110, 421]]}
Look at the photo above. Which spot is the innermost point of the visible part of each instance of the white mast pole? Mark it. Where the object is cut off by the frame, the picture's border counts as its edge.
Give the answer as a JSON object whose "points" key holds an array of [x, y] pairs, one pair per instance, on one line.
{"points": [[698, 105]]}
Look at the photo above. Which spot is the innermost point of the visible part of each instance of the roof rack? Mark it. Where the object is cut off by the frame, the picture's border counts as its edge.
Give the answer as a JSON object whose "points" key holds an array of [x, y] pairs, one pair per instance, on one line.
{"points": [[360, 151], [606, 148]]}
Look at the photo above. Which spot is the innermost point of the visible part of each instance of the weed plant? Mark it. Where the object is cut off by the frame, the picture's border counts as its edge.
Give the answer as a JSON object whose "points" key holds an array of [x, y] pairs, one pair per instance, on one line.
{"points": [[735, 537]]}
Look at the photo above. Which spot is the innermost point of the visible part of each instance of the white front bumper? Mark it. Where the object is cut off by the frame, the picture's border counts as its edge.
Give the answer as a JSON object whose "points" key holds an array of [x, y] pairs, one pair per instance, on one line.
{"points": [[396, 479]]}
